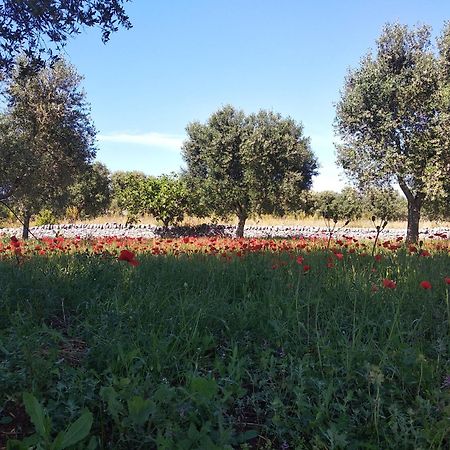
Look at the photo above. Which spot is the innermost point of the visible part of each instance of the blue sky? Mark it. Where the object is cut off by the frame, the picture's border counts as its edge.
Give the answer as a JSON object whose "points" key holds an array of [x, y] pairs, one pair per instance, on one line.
{"points": [[184, 59]]}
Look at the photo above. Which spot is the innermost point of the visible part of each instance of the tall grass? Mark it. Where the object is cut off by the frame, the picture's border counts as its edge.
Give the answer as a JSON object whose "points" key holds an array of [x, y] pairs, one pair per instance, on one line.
{"points": [[200, 351]]}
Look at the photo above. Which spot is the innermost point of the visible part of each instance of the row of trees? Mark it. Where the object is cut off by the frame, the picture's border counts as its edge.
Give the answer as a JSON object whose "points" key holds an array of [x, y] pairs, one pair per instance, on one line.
{"points": [[169, 199], [393, 119]]}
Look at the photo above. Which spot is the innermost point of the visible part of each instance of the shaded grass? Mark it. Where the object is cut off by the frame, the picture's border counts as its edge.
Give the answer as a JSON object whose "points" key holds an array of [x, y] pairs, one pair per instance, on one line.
{"points": [[228, 354]]}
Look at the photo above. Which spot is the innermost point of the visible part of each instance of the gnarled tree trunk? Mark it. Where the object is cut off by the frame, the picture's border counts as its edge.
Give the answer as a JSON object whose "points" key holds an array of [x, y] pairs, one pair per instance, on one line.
{"points": [[414, 207], [242, 216], [412, 233]]}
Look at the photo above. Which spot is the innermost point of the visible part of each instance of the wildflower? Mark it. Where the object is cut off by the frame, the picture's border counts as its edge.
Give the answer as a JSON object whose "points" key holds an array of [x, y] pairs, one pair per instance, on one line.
{"points": [[306, 268], [339, 256], [425, 284], [447, 280], [14, 242], [126, 255], [378, 257], [299, 259], [389, 284], [425, 253]]}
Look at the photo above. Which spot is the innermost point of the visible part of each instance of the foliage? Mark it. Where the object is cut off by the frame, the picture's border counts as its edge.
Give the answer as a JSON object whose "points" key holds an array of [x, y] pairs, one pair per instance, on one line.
{"points": [[90, 195], [42, 439], [46, 217], [247, 165], [385, 204], [393, 117], [345, 205], [129, 193], [167, 199], [222, 343], [28, 26], [49, 134]]}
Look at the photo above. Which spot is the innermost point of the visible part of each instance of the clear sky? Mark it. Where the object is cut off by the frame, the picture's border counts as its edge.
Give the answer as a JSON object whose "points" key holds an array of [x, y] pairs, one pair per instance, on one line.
{"points": [[184, 59]]}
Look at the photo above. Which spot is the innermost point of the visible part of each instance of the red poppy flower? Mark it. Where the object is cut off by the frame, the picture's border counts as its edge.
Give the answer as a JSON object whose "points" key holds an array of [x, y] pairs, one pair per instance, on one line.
{"points": [[306, 268], [389, 284], [339, 256], [447, 280], [299, 259], [130, 257], [14, 241], [425, 284]]}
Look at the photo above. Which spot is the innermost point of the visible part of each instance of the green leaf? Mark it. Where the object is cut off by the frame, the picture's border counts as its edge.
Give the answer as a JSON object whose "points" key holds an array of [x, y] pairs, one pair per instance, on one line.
{"points": [[14, 444], [78, 430], [205, 387], [57, 443], [109, 395], [36, 413], [139, 410], [246, 436]]}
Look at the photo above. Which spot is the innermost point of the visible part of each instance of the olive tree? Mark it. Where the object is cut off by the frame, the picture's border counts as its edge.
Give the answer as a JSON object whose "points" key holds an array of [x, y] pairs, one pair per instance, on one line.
{"points": [[49, 136], [248, 164], [393, 117]]}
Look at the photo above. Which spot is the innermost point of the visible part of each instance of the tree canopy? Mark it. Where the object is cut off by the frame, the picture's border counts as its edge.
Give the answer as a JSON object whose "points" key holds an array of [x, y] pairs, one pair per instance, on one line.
{"points": [[30, 26], [393, 117], [248, 165]]}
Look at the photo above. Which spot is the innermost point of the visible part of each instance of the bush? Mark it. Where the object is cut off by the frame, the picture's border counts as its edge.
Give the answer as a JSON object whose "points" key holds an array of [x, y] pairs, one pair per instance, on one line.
{"points": [[46, 217]]}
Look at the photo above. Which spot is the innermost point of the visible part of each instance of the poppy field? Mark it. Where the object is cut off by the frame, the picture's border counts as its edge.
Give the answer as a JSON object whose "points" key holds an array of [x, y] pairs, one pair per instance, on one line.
{"points": [[214, 343]]}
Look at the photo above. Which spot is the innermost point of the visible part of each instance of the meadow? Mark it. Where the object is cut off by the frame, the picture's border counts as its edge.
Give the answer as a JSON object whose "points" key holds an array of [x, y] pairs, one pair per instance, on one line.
{"points": [[208, 343]]}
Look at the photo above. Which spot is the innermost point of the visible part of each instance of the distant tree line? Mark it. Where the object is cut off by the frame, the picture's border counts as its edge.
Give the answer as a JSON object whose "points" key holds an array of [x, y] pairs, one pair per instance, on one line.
{"points": [[169, 200]]}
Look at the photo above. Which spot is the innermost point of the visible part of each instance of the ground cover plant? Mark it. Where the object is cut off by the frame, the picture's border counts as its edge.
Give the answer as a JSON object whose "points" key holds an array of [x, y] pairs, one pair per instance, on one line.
{"points": [[216, 343]]}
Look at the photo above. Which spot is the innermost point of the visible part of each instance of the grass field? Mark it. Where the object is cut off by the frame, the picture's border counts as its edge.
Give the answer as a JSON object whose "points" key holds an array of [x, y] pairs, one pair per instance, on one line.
{"points": [[221, 343]]}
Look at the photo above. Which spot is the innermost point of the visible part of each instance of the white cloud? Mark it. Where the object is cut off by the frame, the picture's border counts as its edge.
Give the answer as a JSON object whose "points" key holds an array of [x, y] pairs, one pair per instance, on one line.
{"points": [[167, 141]]}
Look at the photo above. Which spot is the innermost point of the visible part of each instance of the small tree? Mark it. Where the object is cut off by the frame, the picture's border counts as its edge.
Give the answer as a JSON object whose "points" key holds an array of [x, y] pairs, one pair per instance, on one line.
{"points": [[248, 165], [129, 194], [344, 205], [386, 204], [167, 199], [90, 195], [393, 117]]}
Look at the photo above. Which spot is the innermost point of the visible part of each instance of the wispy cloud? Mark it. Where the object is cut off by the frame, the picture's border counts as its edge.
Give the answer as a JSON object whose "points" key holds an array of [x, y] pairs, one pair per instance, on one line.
{"points": [[167, 141]]}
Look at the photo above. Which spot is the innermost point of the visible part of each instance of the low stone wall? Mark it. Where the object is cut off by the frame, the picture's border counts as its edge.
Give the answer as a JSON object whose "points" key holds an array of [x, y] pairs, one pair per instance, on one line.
{"points": [[86, 231]]}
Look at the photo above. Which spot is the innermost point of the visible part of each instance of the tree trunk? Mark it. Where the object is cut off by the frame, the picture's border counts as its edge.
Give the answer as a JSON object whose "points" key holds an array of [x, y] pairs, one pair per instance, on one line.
{"points": [[412, 233], [240, 228], [26, 224], [414, 207]]}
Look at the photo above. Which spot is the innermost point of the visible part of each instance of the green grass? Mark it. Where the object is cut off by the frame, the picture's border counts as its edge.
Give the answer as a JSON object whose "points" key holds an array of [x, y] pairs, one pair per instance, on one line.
{"points": [[199, 352]]}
